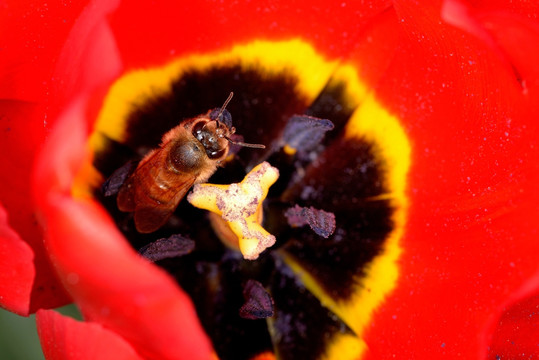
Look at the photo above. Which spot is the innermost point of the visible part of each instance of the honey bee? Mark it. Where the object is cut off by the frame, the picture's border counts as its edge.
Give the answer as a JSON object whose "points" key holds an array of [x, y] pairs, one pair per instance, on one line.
{"points": [[189, 153]]}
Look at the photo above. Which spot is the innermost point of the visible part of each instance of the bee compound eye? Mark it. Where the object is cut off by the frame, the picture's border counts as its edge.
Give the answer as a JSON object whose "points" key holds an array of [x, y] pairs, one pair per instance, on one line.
{"points": [[197, 128], [187, 156]]}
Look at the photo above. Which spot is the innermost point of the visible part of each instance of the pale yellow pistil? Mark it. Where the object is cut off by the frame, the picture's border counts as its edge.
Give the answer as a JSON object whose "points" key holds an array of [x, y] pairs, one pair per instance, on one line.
{"points": [[240, 206]]}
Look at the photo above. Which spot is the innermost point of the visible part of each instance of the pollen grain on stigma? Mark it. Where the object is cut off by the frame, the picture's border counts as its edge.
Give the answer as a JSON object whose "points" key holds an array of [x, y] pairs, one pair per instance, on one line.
{"points": [[240, 206]]}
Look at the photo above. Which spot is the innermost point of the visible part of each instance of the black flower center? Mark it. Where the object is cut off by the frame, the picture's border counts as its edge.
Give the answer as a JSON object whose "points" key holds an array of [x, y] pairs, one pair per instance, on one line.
{"points": [[336, 211]]}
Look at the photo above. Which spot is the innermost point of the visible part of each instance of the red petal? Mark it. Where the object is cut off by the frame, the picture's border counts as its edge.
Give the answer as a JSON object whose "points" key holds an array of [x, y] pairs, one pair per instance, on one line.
{"points": [[470, 243], [16, 269], [473, 175], [64, 338], [35, 34], [88, 60], [169, 29], [528, 9], [32, 37], [21, 134], [111, 283], [517, 332], [86, 46], [516, 38]]}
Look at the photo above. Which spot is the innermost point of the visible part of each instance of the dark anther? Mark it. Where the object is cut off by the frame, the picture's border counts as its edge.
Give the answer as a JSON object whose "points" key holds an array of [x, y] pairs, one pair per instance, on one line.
{"points": [[116, 180], [322, 222], [304, 133], [258, 302], [166, 248], [224, 117]]}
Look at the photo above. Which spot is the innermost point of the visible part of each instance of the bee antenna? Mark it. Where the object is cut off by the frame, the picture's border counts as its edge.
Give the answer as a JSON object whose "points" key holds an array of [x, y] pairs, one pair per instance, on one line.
{"points": [[223, 107], [255, 146]]}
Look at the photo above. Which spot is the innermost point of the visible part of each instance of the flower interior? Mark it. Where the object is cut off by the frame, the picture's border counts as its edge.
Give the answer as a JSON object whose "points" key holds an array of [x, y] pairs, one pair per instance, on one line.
{"points": [[336, 210]]}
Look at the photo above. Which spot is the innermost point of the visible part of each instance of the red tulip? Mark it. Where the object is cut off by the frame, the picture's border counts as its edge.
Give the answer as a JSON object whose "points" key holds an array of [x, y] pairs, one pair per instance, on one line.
{"points": [[446, 97]]}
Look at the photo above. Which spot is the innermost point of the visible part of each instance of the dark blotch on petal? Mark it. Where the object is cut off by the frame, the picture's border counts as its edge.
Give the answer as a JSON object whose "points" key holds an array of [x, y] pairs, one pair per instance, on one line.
{"points": [[174, 246], [115, 156], [258, 302], [303, 328], [346, 179], [332, 104], [217, 292], [343, 177]]}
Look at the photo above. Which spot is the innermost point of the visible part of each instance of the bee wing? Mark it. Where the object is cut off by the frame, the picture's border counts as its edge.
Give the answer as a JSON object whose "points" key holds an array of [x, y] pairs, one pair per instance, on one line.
{"points": [[150, 217], [139, 179], [153, 192], [126, 196]]}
